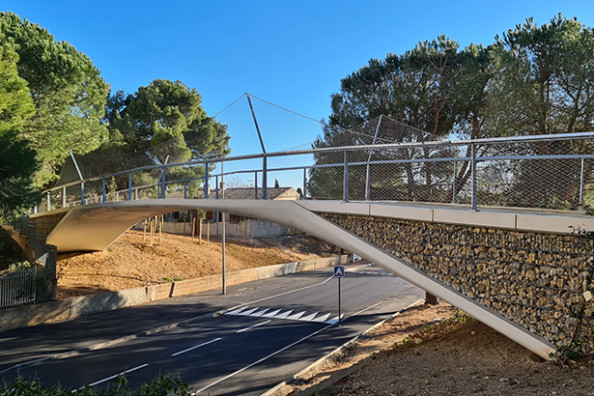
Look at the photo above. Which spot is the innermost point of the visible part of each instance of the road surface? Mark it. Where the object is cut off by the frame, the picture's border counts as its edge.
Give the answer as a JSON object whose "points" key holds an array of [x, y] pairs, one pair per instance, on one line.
{"points": [[256, 336]]}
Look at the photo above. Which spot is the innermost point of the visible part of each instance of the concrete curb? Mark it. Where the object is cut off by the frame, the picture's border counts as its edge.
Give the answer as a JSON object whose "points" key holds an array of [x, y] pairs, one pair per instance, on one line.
{"points": [[73, 307], [273, 391]]}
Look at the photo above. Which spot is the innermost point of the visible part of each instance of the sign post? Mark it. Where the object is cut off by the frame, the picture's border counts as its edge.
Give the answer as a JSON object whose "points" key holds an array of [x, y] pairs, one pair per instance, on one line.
{"points": [[339, 273]]}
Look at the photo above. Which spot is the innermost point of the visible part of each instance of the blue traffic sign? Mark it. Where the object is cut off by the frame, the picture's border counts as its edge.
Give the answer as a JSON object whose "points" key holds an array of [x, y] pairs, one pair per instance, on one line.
{"points": [[339, 271]]}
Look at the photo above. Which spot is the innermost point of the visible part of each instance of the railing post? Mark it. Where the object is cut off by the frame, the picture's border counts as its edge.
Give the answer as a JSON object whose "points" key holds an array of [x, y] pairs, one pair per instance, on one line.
{"points": [[345, 183], [206, 188], [474, 177], [130, 186], [163, 175], [185, 190], [264, 178], [82, 192], [49, 203], [304, 183], [368, 171], [64, 196], [582, 185], [455, 185], [256, 185], [103, 190], [367, 183]]}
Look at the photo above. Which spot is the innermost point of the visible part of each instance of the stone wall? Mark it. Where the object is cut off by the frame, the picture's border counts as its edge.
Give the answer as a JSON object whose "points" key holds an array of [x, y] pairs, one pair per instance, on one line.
{"points": [[536, 280]]}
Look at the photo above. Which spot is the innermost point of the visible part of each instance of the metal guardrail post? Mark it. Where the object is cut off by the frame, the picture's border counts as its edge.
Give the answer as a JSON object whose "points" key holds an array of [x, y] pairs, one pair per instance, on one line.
{"points": [[103, 190], [264, 178], [63, 197], [345, 184], [82, 192], [304, 183], [256, 185], [474, 176], [130, 186], [163, 175], [206, 187], [582, 185], [455, 185], [368, 170]]}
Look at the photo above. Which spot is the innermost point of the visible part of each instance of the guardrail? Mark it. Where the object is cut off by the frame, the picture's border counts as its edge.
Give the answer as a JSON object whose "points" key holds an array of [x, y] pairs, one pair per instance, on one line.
{"points": [[17, 288], [545, 171]]}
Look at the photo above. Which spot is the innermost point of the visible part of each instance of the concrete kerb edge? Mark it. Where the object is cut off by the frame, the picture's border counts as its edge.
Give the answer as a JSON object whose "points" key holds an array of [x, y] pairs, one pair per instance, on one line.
{"points": [[338, 350]]}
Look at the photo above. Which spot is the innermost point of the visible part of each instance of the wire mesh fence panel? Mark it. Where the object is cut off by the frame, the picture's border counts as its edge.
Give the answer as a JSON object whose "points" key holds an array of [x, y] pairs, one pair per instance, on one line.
{"points": [[18, 288]]}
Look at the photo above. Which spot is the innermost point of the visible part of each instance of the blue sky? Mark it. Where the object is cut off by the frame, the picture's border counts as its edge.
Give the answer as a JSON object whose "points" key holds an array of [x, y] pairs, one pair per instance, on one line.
{"points": [[291, 53]]}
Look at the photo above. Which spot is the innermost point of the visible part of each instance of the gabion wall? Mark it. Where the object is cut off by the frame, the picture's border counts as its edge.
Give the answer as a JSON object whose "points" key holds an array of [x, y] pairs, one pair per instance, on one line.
{"points": [[536, 280]]}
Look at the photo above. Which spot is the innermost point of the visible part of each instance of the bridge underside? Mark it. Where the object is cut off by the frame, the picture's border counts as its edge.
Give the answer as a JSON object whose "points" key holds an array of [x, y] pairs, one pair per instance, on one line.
{"points": [[95, 227]]}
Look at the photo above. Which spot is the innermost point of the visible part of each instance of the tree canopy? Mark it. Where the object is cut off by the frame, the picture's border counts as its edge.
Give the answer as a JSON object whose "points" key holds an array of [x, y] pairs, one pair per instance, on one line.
{"points": [[17, 159], [531, 80], [67, 91], [163, 121]]}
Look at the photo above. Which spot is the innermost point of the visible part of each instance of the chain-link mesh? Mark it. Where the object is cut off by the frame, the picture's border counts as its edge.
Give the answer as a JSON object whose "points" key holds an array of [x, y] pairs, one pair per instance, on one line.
{"points": [[395, 162]]}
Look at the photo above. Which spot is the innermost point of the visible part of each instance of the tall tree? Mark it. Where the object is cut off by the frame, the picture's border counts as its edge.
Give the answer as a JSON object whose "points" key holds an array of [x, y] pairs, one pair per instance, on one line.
{"points": [[17, 159], [67, 90], [544, 83], [163, 121], [417, 88]]}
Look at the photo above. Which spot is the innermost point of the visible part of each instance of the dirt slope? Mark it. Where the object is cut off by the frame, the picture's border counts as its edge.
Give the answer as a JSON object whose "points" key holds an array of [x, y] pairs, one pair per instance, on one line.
{"points": [[131, 262], [414, 355]]}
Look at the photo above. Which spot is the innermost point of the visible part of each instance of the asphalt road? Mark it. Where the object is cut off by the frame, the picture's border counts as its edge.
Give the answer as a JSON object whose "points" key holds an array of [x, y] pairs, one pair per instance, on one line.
{"points": [[270, 330]]}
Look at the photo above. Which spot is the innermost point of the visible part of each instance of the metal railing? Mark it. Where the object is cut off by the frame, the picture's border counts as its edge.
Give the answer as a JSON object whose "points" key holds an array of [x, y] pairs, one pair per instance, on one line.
{"points": [[546, 171], [18, 288]]}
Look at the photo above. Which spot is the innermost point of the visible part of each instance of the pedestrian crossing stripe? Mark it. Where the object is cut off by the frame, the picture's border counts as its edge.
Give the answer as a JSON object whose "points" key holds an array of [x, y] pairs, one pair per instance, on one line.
{"points": [[288, 314]]}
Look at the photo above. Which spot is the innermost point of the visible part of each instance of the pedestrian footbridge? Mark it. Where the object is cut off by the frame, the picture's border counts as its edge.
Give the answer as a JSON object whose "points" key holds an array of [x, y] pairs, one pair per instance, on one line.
{"points": [[521, 272]]}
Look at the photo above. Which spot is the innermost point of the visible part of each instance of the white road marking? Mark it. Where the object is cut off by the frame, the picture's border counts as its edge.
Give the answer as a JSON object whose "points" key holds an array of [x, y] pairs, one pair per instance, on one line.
{"points": [[284, 314], [114, 376], [309, 318], [253, 326], [281, 350], [271, 314], [195, 347], [260, 313], [296, 316], [249, 312], [261, 360]]}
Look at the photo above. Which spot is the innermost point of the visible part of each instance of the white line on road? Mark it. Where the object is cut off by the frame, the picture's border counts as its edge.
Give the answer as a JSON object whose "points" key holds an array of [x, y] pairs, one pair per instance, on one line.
{"points": [[114, 376], [274, 296], [277, 352], [195, 347], [253, 326], [261, 360]]}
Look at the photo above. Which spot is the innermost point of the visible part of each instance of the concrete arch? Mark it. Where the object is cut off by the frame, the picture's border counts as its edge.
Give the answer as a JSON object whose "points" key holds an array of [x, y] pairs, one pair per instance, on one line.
{"points": [[95, 227]]}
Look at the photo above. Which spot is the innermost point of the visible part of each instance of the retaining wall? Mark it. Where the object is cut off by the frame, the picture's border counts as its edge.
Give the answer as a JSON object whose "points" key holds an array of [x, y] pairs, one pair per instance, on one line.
{"points": [[243, 229], [537, 280], [72, 307]]}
